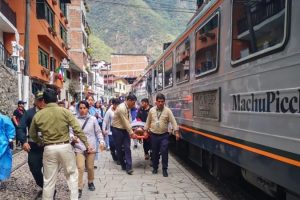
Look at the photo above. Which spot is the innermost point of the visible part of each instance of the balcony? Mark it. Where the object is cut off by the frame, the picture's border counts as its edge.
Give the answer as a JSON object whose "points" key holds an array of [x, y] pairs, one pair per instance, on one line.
{"points": [[6, 59], [8, 12]]}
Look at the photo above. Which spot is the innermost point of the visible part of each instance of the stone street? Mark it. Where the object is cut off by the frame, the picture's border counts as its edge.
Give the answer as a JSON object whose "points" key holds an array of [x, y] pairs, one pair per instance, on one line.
{"points": [[114, 184]]}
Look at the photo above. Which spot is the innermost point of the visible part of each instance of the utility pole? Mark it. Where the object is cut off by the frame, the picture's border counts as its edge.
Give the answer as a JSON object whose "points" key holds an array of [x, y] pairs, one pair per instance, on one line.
{"points": [[27, 55]]}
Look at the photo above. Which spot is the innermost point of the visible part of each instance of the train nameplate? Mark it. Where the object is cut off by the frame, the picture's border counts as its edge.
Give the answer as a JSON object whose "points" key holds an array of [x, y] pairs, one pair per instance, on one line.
{"points": [[207, 104]]}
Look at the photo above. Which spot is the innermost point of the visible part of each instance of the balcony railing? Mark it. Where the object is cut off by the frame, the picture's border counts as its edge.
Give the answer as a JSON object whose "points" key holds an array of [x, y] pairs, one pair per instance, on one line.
{"points": [[262, 13], [8, 12], [5, 58]]}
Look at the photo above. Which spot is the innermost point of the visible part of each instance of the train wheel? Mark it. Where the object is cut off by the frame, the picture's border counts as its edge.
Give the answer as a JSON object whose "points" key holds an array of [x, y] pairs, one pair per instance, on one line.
{"points": [[213, 165]]}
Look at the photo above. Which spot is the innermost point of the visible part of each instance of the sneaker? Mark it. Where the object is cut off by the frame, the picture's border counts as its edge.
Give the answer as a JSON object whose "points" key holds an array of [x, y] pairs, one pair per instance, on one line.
{"points": [[129, 172], [40, 193], [54, 194], [154, 171], [147, 156], [91, 186], [165, 173], [79, 193]]}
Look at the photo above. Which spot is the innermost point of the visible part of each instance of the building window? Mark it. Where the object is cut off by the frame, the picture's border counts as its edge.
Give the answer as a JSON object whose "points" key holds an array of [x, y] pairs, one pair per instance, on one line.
{"points": [[207, 37], [257, 28], [120, 86], [63, 8], [183, 61], [43, 11], [43, 58], [123, 87], [116, 85], [160, 76], [168, 77], [52, 64], [63, 33], [149, 82], [68, 73]]}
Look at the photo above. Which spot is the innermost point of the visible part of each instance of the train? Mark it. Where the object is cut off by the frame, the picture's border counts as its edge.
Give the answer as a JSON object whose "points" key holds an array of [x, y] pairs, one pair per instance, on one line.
{"points": [[232, 80]]}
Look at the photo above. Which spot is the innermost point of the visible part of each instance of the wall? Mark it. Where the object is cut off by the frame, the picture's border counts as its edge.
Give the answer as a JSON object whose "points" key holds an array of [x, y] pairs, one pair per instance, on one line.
{"points": [[8, 90]]}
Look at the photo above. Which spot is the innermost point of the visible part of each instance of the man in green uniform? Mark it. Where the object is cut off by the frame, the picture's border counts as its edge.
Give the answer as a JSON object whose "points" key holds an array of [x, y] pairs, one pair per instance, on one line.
{"points": [[50, 127]]}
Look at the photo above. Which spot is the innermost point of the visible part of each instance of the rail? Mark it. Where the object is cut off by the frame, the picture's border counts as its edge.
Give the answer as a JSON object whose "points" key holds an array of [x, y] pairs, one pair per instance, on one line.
{"points": [[8, 12], [5, 58]]}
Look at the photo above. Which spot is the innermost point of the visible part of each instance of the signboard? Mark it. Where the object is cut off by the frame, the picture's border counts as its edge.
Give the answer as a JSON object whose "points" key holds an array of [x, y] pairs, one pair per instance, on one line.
{"points": [[207, 104], [64, 64]]}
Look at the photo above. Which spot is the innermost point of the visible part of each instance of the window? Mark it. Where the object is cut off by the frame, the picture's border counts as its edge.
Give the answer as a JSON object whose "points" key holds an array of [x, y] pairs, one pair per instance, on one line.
{"points": [[116, 85], [63, 8], [123, 87], [43, 58], [52, 64], [160, 76], [257, 28], [207, 37], [149, 82], [63, 33], [68, 74], [168, 71], [43, 11], [183, 61], [155, 79], [120, 86]]}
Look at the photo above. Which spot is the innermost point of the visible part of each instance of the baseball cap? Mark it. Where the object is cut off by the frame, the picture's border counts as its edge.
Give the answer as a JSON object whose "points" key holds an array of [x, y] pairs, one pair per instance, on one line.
{"points": [[39, 95], [21, 102]]}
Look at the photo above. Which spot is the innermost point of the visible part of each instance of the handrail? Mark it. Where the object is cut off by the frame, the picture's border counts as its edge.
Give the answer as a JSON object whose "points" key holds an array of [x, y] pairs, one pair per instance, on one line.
{"points": [[6, 58]]}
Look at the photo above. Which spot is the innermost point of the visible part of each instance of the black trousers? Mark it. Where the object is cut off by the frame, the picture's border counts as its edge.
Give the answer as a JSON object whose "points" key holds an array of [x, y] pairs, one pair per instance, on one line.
{"points": [[160, 144], [35, 162]]}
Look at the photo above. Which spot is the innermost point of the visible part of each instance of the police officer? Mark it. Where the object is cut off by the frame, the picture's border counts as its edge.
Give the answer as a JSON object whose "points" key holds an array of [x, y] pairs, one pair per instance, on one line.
{"points": [[157, 123], [122, 131]]}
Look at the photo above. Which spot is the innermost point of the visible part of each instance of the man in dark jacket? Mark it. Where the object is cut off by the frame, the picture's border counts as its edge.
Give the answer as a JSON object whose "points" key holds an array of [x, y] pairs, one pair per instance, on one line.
{"points": [[35, 151], [142, 115]]}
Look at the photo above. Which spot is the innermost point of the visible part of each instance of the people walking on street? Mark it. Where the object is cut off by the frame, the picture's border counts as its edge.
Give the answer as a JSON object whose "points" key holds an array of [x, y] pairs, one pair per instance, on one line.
{"points": [[122, 131], [7, 134], [100, 116], [106, 126], [17, 115], [142, 115], [72, 107], [92, 130], [93, 112], [157, 125], [53, 123], [35, 151]]}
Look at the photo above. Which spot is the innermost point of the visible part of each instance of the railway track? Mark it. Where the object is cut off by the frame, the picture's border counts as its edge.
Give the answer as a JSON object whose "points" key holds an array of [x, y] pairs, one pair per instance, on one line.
{"points": [[19, 160]]}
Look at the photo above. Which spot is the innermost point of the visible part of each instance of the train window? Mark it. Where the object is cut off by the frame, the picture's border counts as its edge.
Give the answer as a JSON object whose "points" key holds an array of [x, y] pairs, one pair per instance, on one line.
{"points": [[155, 79], [183, 61], [160, 76], [149, 82], [207, 37], [168, 71], [257, 27]]}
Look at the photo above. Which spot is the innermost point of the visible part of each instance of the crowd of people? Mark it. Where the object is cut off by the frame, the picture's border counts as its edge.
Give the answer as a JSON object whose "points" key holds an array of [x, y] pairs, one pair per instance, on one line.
{"points": [[56, 136]]}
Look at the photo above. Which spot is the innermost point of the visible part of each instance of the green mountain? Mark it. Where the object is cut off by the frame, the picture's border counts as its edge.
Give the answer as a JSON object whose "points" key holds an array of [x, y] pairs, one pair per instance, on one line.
{"points": [[136, 26]]}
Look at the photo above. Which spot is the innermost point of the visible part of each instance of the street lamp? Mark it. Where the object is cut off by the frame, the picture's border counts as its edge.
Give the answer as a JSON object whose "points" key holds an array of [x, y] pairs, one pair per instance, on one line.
{"points": [[16, 65]]}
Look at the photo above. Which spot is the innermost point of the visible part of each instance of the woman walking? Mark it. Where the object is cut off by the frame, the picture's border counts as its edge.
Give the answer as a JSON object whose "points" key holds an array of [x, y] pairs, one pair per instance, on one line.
{"points": [[93, 133]]}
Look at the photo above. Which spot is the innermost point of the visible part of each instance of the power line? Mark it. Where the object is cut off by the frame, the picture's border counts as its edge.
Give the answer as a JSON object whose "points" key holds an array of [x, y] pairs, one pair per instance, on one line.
{"points": [[172, 9]]}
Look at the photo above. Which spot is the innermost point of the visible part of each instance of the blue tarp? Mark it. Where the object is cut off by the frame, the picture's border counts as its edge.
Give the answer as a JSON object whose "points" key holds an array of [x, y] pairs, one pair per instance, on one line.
{"points": [[7, 131]]}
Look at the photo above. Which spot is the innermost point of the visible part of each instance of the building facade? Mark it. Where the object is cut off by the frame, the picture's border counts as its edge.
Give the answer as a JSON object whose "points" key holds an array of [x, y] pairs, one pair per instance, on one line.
{"points": [[79, 31], [128, 66], [48, 40]]}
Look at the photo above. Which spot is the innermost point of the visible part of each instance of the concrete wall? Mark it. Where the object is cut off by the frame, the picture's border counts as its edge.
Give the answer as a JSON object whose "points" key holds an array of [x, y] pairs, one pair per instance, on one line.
{"points": [[8, 90]]}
